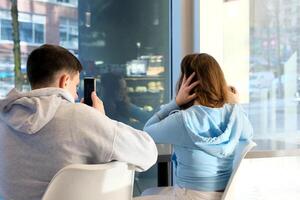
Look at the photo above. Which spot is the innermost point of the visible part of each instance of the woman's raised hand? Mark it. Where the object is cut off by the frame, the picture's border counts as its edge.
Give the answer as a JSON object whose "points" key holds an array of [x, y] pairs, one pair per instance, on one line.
{"points": [[184, 95], [233, 95]]}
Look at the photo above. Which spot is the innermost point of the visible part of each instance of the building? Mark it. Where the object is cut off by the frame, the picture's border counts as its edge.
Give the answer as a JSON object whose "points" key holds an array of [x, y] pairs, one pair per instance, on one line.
{"points": [[40, 21]]}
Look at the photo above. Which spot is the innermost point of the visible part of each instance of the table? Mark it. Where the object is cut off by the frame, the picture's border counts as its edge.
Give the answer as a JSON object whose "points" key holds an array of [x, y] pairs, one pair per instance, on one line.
{"points": [[164, 165]]}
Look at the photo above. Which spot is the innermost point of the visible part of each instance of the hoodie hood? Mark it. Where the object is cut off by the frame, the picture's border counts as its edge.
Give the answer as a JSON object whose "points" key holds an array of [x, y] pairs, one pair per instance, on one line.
{"points": [[30, 111], [214, 130]]}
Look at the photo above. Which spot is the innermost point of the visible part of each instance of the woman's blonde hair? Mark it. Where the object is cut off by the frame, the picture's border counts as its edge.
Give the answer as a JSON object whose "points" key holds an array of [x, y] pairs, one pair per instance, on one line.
{"points": [[212, 90]]}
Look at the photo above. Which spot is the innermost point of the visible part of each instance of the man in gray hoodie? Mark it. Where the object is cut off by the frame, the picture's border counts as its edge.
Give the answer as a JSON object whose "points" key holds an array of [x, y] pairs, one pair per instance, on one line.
{"points": [[44, 130]]}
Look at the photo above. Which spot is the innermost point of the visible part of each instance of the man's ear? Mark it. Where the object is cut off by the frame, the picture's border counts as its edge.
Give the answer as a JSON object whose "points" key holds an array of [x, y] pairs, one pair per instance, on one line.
{"points": [[64, 80]]}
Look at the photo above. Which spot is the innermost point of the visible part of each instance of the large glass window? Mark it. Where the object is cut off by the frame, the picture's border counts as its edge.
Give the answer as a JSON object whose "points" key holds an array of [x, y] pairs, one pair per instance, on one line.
{"points": [[32, 27], [126, 45], [257, 44]]}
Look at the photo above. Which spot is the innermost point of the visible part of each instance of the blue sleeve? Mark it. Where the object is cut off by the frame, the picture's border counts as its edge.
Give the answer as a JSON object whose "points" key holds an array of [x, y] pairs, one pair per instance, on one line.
{"points": [[165, 128], [163, 113]]}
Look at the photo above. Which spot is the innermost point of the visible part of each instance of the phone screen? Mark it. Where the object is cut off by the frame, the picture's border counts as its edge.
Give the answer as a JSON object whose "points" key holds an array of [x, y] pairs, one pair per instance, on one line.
{"points": [[89, 87]]}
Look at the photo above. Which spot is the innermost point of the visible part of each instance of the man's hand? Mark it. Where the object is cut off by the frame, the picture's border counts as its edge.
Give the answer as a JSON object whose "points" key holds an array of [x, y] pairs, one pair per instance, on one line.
{"points": [[184, 95], [97, 103]]}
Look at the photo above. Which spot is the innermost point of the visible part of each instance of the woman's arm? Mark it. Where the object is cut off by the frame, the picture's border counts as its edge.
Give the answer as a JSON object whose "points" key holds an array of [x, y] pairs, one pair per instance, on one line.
{"points": [[163, 113], [167, 129]]}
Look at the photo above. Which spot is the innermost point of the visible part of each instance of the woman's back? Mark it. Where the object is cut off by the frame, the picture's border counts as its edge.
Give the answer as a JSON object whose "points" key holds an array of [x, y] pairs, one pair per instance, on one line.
{"points": [[204, 141], [213, 134]]}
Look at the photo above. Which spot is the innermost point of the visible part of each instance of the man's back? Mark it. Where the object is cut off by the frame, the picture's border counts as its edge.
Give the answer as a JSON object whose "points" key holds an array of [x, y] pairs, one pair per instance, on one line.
{"points": [[43, 131]]}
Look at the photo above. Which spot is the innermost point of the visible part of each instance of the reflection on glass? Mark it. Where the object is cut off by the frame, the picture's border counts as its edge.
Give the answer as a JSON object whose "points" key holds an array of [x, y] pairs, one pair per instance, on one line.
{"points": [[274, 72], [118, 106], [131, 39]]}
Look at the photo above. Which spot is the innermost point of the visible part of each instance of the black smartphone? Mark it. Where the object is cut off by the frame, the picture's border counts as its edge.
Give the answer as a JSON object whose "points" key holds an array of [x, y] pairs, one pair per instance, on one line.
{"points": [[89, 87]]}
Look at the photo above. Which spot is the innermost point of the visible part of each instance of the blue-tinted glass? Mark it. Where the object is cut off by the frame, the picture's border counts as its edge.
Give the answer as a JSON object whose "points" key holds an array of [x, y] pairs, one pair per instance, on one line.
{"points": [[39, 33], [130, 39], [63, 34], [6, 29], [64, 1], [26, 32]]}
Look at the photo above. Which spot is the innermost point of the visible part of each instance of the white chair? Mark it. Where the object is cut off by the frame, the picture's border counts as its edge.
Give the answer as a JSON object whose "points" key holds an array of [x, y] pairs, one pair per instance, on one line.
{"points": [[267, 175], [243, 147], [111, 181]]}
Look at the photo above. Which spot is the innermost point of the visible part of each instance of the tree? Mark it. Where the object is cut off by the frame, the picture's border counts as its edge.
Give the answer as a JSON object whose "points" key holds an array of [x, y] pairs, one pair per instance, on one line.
{"points": [[16, 42]]}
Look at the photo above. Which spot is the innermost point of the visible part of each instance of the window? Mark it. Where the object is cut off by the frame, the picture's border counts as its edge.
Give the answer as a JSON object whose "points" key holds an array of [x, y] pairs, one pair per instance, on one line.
{"points": [[38, 33], [130, 39], [67, 2], [68, 32], [26, 32], [31, 27], [5, 25], [258, 49], [63, 1], [70, 3], [6, 29]]}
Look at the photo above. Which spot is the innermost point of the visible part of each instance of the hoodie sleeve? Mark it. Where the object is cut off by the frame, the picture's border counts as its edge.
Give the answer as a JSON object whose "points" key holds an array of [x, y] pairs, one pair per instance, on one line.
{"points": [[166, 128], [163, 113], [110, 140]]}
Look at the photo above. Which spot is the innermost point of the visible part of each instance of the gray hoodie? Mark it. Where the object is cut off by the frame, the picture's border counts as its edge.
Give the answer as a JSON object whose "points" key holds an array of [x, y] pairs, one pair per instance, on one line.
{"points": [[44, 130]]}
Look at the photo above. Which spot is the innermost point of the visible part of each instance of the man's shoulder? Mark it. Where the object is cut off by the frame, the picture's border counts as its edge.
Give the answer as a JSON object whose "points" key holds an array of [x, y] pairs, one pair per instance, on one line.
{"points": [[76, 109], [81, 116]]}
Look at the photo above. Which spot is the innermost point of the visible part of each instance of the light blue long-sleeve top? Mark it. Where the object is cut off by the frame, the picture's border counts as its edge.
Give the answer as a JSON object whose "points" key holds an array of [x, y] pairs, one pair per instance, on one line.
{"points": [[204, 141]]}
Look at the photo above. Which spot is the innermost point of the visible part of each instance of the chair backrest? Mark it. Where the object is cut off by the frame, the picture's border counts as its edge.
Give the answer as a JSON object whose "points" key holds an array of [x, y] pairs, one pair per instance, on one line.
{"points": [[111, 181], [241, 151]]}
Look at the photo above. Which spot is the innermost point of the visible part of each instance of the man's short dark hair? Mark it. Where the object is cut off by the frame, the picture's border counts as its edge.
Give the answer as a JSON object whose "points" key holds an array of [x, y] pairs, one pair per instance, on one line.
{"points": [[46, 61]]}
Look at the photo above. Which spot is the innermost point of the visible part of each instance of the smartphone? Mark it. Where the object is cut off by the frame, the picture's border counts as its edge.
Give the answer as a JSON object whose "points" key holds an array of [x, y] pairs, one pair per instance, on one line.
{"points": [[89, 87]]}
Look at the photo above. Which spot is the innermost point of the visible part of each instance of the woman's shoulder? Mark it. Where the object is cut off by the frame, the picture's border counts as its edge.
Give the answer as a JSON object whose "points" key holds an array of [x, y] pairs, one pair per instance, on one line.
{"points": [[205, 110], [202, 108]]}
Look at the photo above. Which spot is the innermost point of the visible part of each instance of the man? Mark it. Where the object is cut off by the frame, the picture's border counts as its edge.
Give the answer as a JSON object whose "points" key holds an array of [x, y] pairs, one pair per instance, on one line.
{"points": [[43, 130]]}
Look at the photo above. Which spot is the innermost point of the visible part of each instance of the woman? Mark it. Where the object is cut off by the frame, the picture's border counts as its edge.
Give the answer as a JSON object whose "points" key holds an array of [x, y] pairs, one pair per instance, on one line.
{"points": [[204, 123], [117, 103]]}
